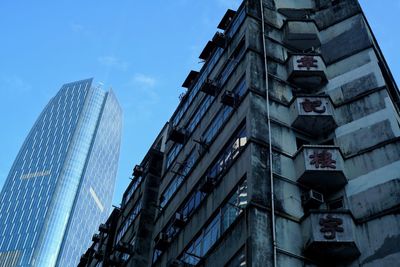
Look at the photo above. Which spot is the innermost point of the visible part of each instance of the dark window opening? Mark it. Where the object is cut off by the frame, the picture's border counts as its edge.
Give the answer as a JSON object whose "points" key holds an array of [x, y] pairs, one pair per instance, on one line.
{"points": [[336, 204], [328, 143], [239, 260], [301, 142]]}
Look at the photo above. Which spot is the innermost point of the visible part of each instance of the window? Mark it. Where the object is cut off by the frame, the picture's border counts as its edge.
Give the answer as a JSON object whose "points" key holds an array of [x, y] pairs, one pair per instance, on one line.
{"points": [[173, 153], [196, 88], [171, 189], [191, 256], [230, 153], [180, 176], [236, 23], [233, 61], [223, 115], [234, 206], [208, 68], [199, 113], [239, 260], [129, 220], [211, 232], [194, 121], [132, 189], [125, 256], [216, 124], [240, 89]]}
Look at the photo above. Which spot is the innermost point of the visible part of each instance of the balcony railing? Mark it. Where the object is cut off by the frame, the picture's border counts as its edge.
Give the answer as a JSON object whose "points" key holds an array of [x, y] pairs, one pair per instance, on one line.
{"points": [[314, 115], [330, 236], [320, 168]]}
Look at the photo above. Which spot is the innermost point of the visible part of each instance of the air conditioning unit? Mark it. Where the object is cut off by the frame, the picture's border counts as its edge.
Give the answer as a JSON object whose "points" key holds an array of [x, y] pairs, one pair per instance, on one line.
{"points": [[176, 263], [90, 251], [98, 255], [84, 259], [103, 228], [115, 260], [124, 247], [178, 221], [312, 199], [229, 98], [161, 241], [96, 238], [208, 184], [138, 171], [209, 87]]}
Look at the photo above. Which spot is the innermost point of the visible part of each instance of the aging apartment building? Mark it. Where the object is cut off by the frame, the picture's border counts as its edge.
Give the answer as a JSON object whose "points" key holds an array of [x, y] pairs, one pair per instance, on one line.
{"points": [[285, 151]]}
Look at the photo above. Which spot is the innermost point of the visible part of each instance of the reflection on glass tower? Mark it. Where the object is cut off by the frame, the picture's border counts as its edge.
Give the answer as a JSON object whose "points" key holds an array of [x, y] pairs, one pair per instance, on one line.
{"points": [[61, 184]]}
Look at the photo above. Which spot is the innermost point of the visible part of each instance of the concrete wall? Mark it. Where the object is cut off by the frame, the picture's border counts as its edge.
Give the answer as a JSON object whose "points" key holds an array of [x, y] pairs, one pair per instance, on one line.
{"points": [[367, 134]]}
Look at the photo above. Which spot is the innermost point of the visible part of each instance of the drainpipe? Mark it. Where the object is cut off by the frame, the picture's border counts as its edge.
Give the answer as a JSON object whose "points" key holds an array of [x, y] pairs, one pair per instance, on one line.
{"points": [[271, 173]]}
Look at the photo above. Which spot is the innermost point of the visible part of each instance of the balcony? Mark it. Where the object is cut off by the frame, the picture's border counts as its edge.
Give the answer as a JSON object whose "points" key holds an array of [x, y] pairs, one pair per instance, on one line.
{"points": [[96, 238], [320, 167], [307, 71], [84, 260], [301, 35], [190, 79], [330, 236], [177, 135], [209, 87], [115, 260], [124, 247], [227, 19], [207, 184], [313, 115], [99, 255], [220, 40], [137, 171], [161, 242], [103, 228], [178, 221], [230, 99], [207, 51]]}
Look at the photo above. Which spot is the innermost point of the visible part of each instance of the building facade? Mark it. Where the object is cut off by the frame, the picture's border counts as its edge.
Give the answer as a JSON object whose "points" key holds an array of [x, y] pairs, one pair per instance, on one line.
{"points": [[285, 151], [61, 184]]}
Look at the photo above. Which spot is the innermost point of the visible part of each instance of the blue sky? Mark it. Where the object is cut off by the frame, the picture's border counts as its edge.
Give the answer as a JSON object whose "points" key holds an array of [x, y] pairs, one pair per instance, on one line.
{"points": [[142, 49]]}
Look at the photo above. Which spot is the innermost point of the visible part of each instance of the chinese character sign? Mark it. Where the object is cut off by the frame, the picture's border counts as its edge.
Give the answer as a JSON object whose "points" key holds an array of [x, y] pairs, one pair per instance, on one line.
{"points": [[322, 159], [313, 106], [307, 62], [330, 226]]}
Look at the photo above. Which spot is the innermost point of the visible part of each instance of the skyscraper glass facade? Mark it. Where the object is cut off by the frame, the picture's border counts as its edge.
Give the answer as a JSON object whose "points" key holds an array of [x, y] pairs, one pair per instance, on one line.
{"points": [[61, 183]]}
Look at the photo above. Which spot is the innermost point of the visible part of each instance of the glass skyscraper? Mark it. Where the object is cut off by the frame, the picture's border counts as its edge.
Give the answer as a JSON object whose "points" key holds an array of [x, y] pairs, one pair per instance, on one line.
{"points": [[61, 184]]}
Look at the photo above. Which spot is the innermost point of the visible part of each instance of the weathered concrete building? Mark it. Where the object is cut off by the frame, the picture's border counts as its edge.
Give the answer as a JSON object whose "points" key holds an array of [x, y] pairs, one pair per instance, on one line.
{"points": [[285, 151]]}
